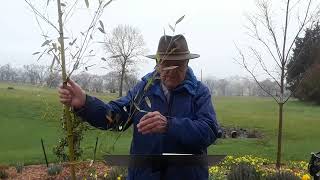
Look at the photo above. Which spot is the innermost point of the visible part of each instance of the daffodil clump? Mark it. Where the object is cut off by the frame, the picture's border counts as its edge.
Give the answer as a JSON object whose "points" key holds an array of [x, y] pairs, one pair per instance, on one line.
{"points": [[262, 165]]}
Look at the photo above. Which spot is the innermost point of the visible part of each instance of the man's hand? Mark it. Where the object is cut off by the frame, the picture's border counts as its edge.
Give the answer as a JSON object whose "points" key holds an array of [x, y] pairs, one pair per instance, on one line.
{"points": [[72, 95], [153, 122]]}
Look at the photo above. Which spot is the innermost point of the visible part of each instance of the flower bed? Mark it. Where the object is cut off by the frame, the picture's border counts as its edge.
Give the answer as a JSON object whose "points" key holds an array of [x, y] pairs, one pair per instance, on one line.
{"points": [[263, 166]]}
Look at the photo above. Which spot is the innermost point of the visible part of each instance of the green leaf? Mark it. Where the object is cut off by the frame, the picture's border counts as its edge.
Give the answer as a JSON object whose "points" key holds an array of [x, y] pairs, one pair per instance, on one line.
{"points": [[103, 59], [35, 53], [169, 68], [107, 3], [87, 3], [180, 19], [125, 109], [75, 66], [172, 29], [71, 43], [140, 110], [52, 64], [101, 24], [57, 58], [101, 30], [148, 101], [136, 96], [149, 83], [50, 50], [46, 42]]}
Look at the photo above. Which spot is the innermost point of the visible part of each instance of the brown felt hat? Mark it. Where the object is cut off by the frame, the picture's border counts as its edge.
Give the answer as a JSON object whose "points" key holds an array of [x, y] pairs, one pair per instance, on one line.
{"points": [[173, 48]]}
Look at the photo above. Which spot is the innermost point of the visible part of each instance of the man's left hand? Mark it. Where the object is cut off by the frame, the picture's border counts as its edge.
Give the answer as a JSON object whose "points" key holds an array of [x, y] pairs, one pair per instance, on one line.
{"points": [[153, 122]]}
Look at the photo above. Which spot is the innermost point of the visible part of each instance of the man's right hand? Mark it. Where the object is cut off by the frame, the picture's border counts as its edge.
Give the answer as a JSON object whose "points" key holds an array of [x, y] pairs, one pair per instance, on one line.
{"points": [[72, 95]]}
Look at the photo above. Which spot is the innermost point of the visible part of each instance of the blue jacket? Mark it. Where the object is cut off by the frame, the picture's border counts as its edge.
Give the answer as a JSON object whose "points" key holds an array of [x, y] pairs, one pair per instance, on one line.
{"points": [[192, 124]]}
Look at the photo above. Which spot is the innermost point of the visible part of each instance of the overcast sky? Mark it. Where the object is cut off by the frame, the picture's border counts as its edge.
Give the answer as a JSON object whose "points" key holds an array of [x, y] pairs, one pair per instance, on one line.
{"points": [[210, 26]]}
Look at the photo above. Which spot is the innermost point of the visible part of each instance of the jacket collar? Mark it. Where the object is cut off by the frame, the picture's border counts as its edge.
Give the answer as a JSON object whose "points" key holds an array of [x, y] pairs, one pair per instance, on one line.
{"points": [[189, 84]]}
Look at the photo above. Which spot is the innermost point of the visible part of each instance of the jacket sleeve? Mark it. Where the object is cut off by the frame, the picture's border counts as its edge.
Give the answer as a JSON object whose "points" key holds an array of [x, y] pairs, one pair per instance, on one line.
{"points": [[200, 131], [95, 111]]}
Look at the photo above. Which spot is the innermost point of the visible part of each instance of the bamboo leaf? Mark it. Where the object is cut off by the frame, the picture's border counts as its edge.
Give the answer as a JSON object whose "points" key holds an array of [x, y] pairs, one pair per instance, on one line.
{"points": [[140, 110], [46, 42], [172, 29], [71, 43], [101, 24], [91, 51], [52, 64], [101, 30], [35, 53], [50, 50], [149, 83], [148, 101], [103, 59], [169, 68], [48, 2], [57, 58], [75, 66], [109, 119], [180, 19], [63, 4], [91, 65], [107, 3], [87, 3], [45, 36]]}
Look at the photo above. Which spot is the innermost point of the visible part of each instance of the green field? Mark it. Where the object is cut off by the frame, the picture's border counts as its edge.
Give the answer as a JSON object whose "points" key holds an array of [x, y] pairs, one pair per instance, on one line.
{"points": [[28, 114]]}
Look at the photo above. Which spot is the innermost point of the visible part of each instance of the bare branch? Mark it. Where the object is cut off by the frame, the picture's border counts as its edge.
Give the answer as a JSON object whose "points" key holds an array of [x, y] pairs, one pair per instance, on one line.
{"points": [[258, 37], [41, 16], [263, 66], [245, 66], [299, 31]]}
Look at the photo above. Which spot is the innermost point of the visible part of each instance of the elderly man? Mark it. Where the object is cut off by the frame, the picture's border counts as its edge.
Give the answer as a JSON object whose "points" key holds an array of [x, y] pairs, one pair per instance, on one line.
{"points": [[173, 113]]}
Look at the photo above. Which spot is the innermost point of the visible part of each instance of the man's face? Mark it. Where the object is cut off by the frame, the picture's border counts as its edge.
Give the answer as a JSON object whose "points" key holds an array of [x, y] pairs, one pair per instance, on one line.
{"points": [[173, 72]]}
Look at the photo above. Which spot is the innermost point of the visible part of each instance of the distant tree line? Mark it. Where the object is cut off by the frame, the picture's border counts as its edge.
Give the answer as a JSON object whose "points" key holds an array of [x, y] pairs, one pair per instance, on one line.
{"points": [[42, 76], [240, 86]]}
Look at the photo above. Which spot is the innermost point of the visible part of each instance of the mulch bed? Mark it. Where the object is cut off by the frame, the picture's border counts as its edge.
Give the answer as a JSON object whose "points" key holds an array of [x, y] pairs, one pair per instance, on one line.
{"points": [[38, 172]]}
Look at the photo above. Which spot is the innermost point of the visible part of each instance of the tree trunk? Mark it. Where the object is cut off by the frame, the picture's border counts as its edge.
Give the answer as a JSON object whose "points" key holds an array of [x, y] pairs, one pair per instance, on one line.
{"points": [[66, 112], [278, 165], [122, 77]]}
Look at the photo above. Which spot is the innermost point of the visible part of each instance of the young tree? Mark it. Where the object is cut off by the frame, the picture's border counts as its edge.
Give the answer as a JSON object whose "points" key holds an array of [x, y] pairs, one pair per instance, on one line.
{"points": [[69, 57], [275, 43], [125, 44]]}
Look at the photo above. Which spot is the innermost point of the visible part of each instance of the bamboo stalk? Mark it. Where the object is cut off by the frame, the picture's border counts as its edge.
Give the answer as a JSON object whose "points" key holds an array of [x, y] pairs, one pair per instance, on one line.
{"points": [[67, 113]]}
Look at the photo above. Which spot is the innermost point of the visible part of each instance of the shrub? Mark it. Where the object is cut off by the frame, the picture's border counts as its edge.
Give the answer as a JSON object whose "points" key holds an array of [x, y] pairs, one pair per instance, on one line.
{"points": [[282, 176], [19, 167], [54, 170], [3, 174], [243, 171], [116, 173]]}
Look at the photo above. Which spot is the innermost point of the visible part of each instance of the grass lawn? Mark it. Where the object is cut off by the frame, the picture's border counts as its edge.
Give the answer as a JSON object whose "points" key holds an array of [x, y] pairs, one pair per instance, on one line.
{"points": [[28, 114]]}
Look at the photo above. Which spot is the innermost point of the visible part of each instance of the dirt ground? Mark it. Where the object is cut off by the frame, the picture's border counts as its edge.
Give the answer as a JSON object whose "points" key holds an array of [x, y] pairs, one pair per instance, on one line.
{"points": [[39, 172]]}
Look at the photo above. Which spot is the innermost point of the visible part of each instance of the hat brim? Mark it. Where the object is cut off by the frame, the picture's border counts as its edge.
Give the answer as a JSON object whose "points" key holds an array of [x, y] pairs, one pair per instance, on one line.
{"points": [[175, 57]]}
